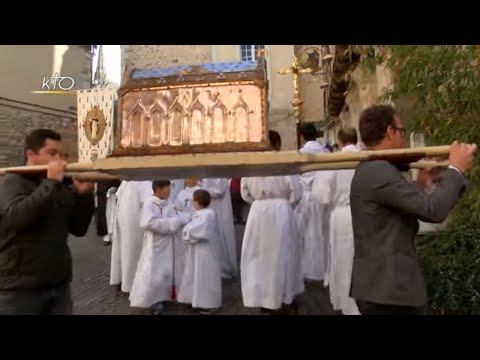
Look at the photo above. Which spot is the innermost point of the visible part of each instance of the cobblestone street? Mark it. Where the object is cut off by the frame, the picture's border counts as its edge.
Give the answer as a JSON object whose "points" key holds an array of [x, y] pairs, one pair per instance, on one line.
{"points": [[93, 295]]}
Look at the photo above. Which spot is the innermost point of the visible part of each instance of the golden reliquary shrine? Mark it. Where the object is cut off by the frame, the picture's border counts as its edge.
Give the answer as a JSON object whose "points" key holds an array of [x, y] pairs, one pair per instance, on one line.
{"points": [[218, 107]]}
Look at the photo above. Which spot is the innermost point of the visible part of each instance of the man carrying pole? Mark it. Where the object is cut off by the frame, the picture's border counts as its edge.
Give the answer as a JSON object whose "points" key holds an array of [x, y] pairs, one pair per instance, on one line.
{"points": [[37, 213], [386, 276]]}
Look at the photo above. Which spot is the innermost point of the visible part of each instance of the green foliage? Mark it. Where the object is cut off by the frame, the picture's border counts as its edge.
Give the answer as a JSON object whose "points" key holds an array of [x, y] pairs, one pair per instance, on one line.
{"points": [[442, 83], [451, 264]]}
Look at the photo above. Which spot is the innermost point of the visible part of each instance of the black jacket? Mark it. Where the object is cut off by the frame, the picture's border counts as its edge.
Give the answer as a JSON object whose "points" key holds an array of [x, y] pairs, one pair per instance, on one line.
{"points": [[36, 216]]}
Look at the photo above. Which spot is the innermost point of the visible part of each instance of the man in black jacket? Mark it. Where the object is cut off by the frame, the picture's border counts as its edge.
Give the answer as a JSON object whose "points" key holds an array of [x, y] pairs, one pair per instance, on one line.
{"points": [[37, 213]]}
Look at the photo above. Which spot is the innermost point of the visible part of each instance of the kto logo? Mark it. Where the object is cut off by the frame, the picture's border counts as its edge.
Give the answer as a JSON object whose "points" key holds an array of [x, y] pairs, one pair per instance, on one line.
{"points": [[57, 84]]}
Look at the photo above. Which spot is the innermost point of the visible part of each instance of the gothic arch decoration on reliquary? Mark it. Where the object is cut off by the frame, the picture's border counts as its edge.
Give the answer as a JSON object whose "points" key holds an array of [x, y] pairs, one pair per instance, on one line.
{"points": [[175, 122], [186, 99], [208, 122], [158, 125], [219, 120], [240, 116], [197, 121], [138, 126]]}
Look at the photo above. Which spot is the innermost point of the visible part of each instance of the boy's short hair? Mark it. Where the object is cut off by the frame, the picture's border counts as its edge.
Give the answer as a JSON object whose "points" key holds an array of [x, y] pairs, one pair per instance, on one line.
{"points": [[159, 184], [202, 197], [275, 140], [309, 131], [347, 135]]}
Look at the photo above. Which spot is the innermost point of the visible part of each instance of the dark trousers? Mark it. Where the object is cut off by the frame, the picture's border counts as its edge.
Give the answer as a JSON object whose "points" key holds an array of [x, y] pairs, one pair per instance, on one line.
{"points": [[237, 206], [101, 216], [54, 301], [369, 308]]}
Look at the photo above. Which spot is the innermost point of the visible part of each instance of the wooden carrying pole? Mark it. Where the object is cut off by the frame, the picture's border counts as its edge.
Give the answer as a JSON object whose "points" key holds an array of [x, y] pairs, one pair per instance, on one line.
{"points": [[99, 176], [72, 168], [353, 164], [232, 164], [93, 176]]}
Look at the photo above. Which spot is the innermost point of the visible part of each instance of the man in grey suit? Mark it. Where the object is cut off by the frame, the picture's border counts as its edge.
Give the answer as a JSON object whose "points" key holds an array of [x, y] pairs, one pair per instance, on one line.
{"points": [[386, 276]]}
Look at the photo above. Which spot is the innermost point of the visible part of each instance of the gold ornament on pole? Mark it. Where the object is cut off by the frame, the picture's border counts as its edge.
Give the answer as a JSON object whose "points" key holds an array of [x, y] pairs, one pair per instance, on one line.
{"points": [[296, 71], [297, 102], [312, 60]]}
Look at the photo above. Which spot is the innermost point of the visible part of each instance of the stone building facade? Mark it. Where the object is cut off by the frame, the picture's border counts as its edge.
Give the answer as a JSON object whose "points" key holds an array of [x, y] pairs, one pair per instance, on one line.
{"points": [[160, 56], [354, 88], [22, 68], [312, 86], [366, 89]]}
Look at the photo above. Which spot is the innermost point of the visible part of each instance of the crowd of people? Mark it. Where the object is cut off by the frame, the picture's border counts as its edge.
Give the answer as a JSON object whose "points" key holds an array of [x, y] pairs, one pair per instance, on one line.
{"points": [[174, 239]]}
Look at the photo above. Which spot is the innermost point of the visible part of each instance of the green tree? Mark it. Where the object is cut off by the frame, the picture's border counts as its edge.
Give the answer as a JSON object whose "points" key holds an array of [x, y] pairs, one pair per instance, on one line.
{"points": [[442, 85]]}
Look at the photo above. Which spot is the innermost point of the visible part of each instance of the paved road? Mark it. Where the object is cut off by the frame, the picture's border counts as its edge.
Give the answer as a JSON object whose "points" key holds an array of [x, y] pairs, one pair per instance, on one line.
{"points": [[94, 296]]}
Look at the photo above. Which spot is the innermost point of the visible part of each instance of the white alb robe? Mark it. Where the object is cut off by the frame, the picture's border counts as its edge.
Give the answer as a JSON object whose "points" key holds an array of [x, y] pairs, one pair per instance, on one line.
{"points": [[127, 235], [313, 222], [202, 281], [162, 260], [110, 213], [270, 263], [184, 199], [332, 189], [222, 205], [176, 187]]}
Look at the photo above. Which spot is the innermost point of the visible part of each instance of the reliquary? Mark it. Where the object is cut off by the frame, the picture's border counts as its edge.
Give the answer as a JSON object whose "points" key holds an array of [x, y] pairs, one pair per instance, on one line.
{"points": [[216, 107]]}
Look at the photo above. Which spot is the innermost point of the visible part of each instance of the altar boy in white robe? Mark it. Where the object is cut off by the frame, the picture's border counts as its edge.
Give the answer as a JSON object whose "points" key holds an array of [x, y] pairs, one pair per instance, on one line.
{"points": [[270, 262], [110, 213], [184, 198], [312, 217], [222, 205], [177, 186], [160, 268], [201, 282], [127, 235], [332, 188]]}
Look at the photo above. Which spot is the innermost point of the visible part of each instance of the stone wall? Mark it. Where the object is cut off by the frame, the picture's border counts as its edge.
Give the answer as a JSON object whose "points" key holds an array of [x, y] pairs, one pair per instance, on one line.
{"points": [[362, 93], [366, 88], [281, 114], [17, 119], [160, 56], [310, 88]]}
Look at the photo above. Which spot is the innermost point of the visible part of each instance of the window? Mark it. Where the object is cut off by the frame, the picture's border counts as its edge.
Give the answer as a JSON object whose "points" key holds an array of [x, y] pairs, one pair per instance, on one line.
{"points": [[417, 139], [249, 52]]}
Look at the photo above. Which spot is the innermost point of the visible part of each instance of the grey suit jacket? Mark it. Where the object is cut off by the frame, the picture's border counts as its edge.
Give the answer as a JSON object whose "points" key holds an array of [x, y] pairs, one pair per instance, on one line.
{"points": [[385, 212]]}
